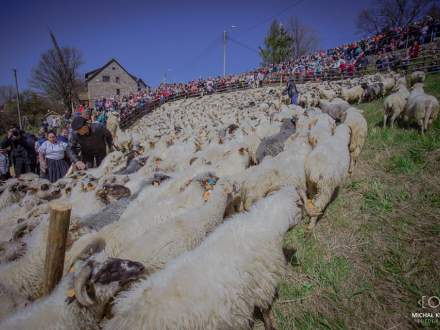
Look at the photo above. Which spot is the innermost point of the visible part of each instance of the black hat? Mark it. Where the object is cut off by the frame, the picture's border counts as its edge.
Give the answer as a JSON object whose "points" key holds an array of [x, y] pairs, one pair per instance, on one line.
{"points": [[78, 122]]}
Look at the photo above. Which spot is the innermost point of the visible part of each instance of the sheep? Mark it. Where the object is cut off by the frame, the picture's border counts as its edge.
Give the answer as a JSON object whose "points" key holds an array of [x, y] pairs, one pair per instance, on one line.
{"points": [[327, 94], [353, 94], [388, 85], [65, 307], [359, 130], [422, 108], [326, 168], [213, 286], [287, 168], [24, 276], [274, 144], [321, 127], [142, 217], [335, 109], [372, 91], [113, 125], [166, 241], [394, 105], [417, 77]]}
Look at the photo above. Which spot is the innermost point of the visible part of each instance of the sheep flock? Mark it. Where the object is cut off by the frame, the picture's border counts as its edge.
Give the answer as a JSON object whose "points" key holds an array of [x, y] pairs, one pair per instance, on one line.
{"points": [[182, 226]]}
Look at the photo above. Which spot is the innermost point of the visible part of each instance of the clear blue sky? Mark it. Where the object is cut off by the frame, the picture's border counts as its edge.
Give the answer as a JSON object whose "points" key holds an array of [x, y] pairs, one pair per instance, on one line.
{"points": [[150, 38]]}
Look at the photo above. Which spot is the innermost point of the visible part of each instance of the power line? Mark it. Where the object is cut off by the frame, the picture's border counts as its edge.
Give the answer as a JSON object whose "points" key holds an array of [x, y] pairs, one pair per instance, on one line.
{"points": [[296, 3], [214, 43], [243, 45]]}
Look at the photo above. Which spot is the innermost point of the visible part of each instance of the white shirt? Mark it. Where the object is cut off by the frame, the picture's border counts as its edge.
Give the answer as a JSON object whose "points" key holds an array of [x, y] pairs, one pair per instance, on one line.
{"points": [[53, 151]]}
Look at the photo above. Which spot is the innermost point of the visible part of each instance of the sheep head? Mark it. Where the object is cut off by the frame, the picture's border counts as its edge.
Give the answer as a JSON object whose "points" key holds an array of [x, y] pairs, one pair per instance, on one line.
{"points": [[98, 278]]}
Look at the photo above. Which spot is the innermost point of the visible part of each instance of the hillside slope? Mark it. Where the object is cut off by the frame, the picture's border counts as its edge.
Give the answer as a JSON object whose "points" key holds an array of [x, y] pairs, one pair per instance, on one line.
{"points": [[376, 252]]}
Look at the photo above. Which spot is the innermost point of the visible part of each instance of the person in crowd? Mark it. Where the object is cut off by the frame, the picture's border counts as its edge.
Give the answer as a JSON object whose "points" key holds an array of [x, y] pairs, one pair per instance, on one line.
{"points": [[87, 114], [52, 154], [414, 50], [102, 118], [30, 140], [92, 141], [18, 151], [64, 136]]}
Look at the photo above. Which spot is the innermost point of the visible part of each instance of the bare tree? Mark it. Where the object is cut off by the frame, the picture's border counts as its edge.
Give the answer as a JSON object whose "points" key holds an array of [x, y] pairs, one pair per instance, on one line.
{"points": [[57, 74], [434, 11], [305, 39], [390, 13], [7, 93]]}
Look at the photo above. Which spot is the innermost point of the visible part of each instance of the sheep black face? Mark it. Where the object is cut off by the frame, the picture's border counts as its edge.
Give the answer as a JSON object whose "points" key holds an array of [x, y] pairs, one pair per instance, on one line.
{"points": [[98, 280]]}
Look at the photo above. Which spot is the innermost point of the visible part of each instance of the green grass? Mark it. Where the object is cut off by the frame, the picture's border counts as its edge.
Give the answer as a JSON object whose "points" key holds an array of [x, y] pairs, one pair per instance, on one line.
{"points": [[376, 251]]}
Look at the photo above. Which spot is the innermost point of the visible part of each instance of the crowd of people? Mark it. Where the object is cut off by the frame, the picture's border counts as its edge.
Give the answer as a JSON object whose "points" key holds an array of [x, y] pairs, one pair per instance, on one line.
{"points": [[345, 59], [82, 143]]}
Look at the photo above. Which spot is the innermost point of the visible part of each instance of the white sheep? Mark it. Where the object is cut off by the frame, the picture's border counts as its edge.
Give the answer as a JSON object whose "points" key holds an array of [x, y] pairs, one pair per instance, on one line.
{"points": [[321, 127], [418, 77], [287, 168], [352, 95], [394, 104], [359, 130], [335, 109], [326, 169], [166, 241], [423, 109], [218, 284]]}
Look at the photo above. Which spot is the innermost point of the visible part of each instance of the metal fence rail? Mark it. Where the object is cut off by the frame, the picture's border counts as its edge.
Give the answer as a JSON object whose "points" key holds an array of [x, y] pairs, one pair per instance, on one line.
{"points": [[429, 61]]}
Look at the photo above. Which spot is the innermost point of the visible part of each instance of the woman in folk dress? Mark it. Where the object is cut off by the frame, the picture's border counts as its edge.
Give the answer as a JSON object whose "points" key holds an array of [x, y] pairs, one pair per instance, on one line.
{"points": [[52, 158]]}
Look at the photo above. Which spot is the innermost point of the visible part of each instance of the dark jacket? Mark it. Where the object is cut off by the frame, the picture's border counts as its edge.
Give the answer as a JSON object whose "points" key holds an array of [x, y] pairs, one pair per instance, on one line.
{"points": [[291, 89], [19, 155], [92, 144]]}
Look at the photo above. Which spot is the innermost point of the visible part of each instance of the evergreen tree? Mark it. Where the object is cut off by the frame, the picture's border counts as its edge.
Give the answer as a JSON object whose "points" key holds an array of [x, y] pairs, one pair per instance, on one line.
{"points": [[277, 45]]}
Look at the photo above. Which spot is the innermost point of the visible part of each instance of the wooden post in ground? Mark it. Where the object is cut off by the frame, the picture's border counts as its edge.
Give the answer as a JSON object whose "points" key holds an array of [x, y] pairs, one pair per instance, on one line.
{"points": [[56, 244]]}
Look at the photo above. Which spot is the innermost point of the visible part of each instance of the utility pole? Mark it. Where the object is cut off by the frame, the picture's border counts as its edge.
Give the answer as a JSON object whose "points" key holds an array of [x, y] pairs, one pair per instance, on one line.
{"points": [[224, 52], [18, 98]]}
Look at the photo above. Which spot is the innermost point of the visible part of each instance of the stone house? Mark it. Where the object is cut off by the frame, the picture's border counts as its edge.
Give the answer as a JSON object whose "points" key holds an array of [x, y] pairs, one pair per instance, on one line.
{"points": [[109, 80]]}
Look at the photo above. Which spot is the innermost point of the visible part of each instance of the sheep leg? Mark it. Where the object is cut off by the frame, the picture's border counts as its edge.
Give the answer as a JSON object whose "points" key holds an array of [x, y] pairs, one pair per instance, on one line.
{"points": [[422, 126], [321, 199], [312, 224], [352, 164], [268, 319], [310, 209], [385, 121], [428, 114]]}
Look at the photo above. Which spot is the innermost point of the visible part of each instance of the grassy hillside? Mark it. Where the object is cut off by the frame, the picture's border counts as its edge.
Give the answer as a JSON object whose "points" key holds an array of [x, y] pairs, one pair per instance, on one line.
{"points": [[376, 252]]}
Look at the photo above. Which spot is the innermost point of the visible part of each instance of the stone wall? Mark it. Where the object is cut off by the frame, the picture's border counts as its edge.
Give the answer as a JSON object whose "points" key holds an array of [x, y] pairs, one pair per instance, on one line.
{"points": [[98, 88]]}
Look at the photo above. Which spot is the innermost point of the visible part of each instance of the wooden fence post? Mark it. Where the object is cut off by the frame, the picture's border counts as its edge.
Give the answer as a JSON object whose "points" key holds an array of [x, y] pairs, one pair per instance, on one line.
{"points": [[56, 244]]}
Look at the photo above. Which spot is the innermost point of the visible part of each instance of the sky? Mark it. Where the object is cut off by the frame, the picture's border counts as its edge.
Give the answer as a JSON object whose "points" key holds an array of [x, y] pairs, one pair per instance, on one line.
{"points": [[160, 40]]}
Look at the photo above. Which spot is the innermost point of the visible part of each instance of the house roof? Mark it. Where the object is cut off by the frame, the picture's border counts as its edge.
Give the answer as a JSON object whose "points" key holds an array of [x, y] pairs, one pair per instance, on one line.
{"points": [[91, 74]]}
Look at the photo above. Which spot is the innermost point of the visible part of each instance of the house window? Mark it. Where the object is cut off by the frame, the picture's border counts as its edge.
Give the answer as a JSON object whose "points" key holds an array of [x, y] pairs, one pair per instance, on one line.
{"points": [[105, 78], [118, 91], [113, 68], [117, 80]]}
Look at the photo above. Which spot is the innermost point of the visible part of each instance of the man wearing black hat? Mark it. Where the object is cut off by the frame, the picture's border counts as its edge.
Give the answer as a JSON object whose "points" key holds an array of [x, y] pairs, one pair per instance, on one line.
{"points": [[92, 140]]}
